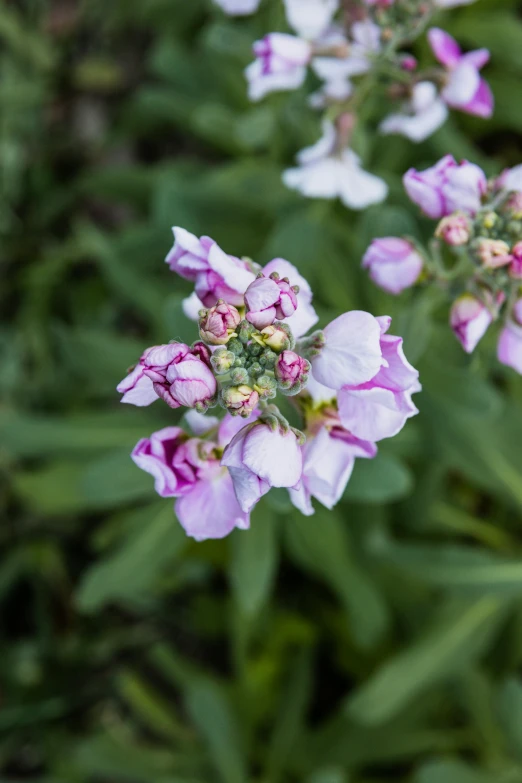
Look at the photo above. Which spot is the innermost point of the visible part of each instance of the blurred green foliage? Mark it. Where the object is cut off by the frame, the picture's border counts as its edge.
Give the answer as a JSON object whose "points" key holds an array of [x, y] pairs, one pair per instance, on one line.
{"points": [[381, 641]]}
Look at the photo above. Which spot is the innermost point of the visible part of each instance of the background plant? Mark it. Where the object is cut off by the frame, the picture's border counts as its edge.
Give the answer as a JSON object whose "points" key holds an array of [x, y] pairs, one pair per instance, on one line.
{"points": [[388, 646]]}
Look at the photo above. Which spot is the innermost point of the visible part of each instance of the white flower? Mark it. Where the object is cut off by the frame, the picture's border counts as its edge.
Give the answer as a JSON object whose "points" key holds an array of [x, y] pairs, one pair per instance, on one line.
{"points": [[280, 64], [238, 7], [422, 115], [310, 18], [452, 3], [324, 173]]}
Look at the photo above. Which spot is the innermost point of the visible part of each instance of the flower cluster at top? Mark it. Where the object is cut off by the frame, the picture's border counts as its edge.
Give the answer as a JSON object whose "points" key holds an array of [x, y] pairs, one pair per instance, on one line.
{"points": [[475, 255], [354, 48], [350, 385]]}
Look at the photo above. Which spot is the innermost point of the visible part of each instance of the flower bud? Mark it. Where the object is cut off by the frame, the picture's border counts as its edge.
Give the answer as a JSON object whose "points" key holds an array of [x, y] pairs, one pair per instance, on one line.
{"points": [[455, 230], [513, 206], [292, 371], [266, 386], [219, 323], [239, 376], [278, 337], [408, 62], [493, 253], [515, 270], [222, 360], [268, 299], [394, 264], [469, 319], [240, 400]]}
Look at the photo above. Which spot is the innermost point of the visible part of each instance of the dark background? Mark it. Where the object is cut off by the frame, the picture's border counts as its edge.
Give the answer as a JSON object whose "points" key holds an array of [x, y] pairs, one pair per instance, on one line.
{"points": [[378, 642]]}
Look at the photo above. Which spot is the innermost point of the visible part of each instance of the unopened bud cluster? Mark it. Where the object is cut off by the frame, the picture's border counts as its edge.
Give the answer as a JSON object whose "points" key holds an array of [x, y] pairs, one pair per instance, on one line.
{"points": [[477, 250]]}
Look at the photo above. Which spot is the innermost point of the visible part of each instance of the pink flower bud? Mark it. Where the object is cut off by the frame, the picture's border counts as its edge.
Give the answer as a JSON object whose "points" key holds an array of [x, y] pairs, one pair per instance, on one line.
{"points": [[515, 270], [240, 400], [394, 264], [268, 298], [189, 382], [219, 323], [292, 371], [455, 230], [469, 319], [408, 62], [493, 253]]}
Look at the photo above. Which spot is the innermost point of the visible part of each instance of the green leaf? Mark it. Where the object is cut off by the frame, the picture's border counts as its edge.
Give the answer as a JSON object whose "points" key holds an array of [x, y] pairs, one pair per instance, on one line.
{"points": [[210, 710], [459, 636], [509, 711], [454, 772], [136, 565], [383, 479], [254, 561], [320, 544]]}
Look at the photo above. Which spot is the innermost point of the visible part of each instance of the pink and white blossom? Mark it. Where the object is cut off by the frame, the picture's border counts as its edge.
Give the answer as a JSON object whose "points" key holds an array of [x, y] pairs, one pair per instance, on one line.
{"points": [[267, 300], [188, 469], [511, 179], [446, 187], [470, 319], [394, 264], [328, 461], [305, 316], [189, 255], [379, 408], [454, 230], [421, 116], [452, 3], [464, 88], [310, 18], [219, 323], [259, 458], [509, 350], [280, 64], [138, 387], [292, 370], [189, 382], [352, 353], [238, 7], [325, 172]]}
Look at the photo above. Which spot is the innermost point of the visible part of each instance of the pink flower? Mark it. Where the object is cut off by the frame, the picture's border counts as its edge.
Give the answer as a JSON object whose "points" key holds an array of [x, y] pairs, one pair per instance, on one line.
{"points": [[465, 89], [280, 64], [455, 230], [219, 323], [259, 458], [225, 278], [138, 387], [189, 255], [469, 319], [216, 274], [380, 407], [394, 264], [267, 299], [292, 371], [305, 316], [328, 460], [509, 349], [351, 353], [446, 187], [176, 373], [238, 7], [420, 116], [189, 469]]}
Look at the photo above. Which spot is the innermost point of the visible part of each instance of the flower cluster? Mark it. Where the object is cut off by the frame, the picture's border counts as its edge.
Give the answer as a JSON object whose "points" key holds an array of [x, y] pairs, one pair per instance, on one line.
{"points": [[352, 48], [350, 383], [476, 251]]}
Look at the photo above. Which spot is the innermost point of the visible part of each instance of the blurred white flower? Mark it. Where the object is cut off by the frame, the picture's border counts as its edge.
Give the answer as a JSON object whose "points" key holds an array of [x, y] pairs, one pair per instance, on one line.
{"points": [[422, 115], [326, 173]]}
